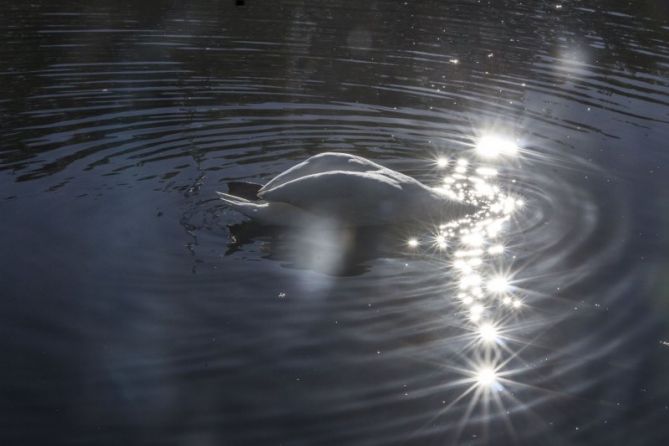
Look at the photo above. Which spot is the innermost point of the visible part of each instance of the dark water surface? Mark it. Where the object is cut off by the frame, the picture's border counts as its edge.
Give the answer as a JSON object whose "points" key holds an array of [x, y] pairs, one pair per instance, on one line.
{"points": [[135, 309]]}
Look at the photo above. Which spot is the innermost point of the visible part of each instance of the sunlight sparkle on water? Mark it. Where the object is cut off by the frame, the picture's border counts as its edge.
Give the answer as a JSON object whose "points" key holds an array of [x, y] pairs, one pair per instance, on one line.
{"points": [[440, 241], [470, 280], [498, 284], [492, 146], [473, 239], [488, 333], [486, 377], [483, 289], [486, 171], [475, 312]]}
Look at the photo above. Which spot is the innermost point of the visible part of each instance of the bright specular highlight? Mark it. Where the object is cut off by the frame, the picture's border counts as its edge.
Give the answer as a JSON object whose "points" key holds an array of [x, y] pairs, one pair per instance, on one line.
{"points": [[486, 377], [492, 146], [483, 284]]}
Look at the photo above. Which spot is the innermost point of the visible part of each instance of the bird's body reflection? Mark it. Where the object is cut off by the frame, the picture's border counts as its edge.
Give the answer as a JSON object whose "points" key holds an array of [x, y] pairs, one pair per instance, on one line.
{"points": [[333, 250]]}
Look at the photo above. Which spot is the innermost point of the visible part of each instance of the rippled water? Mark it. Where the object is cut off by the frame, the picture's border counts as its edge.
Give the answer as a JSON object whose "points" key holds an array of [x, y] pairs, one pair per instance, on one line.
{"points": [[136, 308]]}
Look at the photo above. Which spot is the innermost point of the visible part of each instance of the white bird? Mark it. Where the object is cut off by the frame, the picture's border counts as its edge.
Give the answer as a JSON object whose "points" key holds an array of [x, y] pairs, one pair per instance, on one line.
{"points": [[341, 188]]}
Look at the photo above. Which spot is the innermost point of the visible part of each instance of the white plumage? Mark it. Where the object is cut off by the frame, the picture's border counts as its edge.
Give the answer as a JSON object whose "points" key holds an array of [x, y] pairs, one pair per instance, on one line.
{"points": [[345, 189]]}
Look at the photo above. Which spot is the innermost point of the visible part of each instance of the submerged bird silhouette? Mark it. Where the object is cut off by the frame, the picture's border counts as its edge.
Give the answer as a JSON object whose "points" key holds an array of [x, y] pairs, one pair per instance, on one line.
{"points": [[342, 188]]}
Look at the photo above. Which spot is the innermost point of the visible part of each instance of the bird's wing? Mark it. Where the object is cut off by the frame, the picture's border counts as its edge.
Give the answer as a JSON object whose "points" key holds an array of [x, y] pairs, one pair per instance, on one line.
{"points": [[341, 193], [324, 162]]}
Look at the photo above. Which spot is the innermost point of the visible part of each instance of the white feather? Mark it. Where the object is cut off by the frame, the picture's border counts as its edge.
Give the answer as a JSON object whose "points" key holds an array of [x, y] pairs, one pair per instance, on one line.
{"points": [[347, 189]]}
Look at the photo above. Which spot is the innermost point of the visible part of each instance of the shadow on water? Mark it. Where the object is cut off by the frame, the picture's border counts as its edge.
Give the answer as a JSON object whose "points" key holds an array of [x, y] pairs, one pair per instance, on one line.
{"points": [[336, 251]]}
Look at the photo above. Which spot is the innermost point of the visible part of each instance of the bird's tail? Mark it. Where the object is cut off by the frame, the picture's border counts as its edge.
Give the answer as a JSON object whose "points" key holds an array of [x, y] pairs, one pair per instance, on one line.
{"points": [[246, 207], [244, 189]]}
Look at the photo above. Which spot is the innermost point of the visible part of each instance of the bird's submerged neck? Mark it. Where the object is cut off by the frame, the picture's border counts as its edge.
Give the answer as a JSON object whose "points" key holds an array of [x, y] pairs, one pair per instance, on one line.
{"points": [[441, 202]]}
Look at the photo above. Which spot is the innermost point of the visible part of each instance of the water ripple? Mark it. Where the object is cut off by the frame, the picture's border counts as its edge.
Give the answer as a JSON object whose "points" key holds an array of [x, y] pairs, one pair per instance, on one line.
{"points": [[146, 299]]}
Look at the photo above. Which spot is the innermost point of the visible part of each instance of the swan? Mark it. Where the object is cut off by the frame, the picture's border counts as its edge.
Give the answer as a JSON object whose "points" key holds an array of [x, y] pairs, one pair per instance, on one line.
{"points": [[342, 188]]}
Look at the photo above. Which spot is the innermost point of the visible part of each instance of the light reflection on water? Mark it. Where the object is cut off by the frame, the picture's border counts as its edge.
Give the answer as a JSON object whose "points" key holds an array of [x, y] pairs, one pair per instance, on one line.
{"points": [[128, 314], [484, 277]]}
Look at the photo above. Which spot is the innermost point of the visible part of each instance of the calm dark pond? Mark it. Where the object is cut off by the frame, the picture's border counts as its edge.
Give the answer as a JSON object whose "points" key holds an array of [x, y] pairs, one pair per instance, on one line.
{"points": [[136, 309]]}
